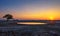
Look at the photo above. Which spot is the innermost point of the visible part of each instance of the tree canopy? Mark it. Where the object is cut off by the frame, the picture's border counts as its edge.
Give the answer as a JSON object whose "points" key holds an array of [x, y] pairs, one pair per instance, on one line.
{"points": [[8, 16]]}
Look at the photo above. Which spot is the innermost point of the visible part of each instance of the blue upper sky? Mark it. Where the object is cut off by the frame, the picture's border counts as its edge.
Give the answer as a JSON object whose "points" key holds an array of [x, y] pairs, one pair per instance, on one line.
{"points": [[20, 3]]}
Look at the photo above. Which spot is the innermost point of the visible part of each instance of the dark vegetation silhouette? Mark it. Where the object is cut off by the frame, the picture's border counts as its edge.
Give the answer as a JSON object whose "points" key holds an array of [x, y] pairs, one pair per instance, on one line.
{"points": [[8, 17]]}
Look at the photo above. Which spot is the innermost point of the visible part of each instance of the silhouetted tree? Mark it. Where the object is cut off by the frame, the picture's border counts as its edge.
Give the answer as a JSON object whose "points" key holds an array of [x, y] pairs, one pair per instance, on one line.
{"points": [[8, 16]]}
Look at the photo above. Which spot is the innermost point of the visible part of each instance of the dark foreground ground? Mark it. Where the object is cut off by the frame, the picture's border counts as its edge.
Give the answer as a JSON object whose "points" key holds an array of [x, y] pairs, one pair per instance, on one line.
{"points": [[30, 30]]}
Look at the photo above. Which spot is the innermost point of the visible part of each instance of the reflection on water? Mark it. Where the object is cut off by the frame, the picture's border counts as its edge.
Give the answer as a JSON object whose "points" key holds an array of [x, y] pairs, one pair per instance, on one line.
{"points": [[33, 23]]}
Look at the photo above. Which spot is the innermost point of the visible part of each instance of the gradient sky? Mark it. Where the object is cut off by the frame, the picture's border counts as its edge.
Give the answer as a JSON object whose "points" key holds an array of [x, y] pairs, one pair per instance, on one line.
{"points": [[31, 9]]}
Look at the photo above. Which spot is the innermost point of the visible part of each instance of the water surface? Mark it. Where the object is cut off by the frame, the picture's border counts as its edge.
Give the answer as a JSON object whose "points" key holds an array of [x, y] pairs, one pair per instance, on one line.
{"points": [[31, 23]]}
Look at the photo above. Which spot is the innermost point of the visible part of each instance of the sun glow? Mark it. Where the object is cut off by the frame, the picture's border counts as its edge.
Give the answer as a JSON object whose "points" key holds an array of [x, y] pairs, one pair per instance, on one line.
{"points": [[51, 18]]}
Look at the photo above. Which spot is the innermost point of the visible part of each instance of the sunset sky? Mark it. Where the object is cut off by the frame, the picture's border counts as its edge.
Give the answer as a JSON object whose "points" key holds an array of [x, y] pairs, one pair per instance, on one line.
{"points": [[31, 9]]}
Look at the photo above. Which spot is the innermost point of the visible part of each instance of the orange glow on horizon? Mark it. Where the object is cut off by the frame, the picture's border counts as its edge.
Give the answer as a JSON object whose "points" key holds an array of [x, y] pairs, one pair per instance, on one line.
{"points": [[48, 14], [38, 16], [42, 16]]}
